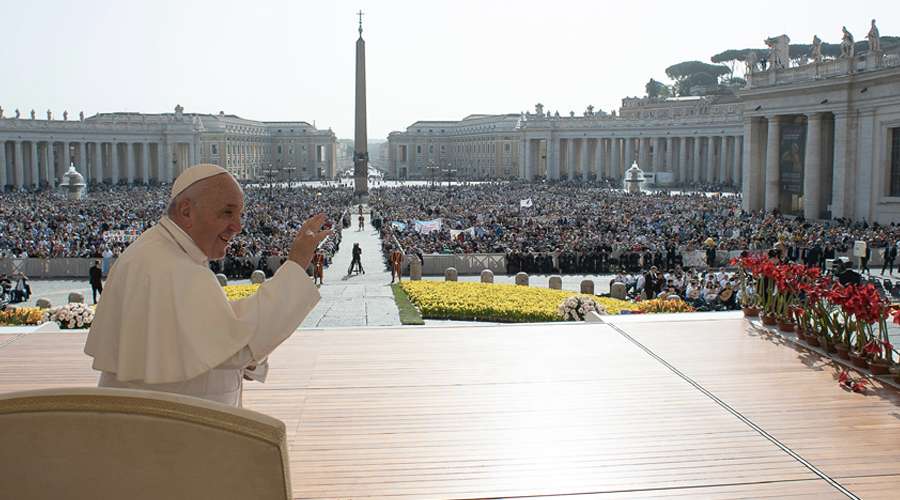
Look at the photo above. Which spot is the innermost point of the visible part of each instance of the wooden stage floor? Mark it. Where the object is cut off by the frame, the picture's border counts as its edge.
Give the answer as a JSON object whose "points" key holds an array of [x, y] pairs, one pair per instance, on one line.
{"points": [[643, 407]]}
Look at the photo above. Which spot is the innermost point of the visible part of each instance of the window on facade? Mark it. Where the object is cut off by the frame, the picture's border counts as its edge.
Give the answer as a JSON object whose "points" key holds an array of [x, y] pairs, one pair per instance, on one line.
{"points": [[402, 153], [895, 162], [507, 148], [320, 153], [431, 149], [214, 149], [279, 149], [443, 148], [418, 149], [291, 151]]}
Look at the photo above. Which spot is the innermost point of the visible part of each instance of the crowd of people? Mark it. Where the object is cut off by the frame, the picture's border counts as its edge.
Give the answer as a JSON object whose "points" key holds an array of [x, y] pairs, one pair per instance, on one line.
{"points": [[44, 224], [579, 228]]}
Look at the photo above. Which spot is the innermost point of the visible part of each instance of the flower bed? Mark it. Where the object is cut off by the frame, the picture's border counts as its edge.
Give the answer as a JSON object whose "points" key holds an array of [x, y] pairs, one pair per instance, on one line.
{"points": [[494, 302], [237, 292], [22, 316], [664, 306]]}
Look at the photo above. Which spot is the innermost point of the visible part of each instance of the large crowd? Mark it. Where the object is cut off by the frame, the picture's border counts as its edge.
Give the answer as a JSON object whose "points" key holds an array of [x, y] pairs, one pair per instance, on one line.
{"points": [[45, 224], [581, 228]]}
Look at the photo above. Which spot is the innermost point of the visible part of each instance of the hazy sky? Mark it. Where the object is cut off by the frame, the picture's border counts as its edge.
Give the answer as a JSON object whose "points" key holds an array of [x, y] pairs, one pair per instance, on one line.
{"points": [[426, 60]]}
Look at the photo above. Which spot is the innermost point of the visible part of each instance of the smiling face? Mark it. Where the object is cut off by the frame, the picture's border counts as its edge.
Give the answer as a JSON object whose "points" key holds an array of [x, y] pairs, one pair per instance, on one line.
{"points": [[210, 213]]}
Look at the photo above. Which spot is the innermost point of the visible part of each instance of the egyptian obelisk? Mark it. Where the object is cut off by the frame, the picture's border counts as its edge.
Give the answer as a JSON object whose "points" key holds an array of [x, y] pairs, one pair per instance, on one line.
{"points": [[360, 148]]}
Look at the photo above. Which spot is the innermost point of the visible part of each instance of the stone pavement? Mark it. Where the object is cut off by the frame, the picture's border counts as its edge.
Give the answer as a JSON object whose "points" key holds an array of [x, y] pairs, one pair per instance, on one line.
{"points": [[360, 299]]}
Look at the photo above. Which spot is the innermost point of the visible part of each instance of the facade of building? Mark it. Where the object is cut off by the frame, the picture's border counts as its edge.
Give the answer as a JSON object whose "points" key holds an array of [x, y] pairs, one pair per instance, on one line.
{"points": [[145, 148], [821, 139]]}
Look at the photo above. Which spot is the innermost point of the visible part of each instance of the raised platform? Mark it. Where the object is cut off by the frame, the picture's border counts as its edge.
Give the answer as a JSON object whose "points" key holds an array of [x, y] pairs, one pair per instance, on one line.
{"points": [[643, 407]]}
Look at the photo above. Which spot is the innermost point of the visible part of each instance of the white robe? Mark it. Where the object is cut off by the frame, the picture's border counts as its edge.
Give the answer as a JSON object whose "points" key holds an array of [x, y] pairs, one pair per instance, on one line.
{"points": [[165, 324]]}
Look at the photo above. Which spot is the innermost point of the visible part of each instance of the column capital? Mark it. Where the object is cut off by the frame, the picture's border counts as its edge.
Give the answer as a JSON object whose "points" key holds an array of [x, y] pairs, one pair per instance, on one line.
{"points": [[774, 118], [816, 115]]}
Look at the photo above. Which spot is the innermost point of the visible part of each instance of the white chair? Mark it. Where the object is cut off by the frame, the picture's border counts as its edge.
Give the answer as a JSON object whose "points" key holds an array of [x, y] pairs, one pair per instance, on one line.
{"points": [[92, 443]]}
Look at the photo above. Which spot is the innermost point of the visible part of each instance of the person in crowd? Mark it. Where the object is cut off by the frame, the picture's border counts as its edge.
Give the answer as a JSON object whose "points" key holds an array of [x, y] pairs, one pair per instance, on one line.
{"points": [[95, 278], [396, 261], [356, 260], [890, 255], [318, 262]]}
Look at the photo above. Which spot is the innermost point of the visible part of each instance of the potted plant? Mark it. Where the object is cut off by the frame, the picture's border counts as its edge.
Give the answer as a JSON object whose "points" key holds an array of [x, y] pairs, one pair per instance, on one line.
{"points": [[749, 296]]}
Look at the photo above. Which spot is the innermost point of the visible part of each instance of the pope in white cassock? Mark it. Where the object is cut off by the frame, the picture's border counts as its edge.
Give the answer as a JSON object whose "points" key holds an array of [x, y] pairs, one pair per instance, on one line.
{"points": [[165, 324]]}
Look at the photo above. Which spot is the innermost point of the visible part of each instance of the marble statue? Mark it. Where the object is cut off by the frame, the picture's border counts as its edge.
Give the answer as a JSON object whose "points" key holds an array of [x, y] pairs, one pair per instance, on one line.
{"points": [[81, 115], [18, 115], [779, 51], [32, 114], [1, 111], [816, 53], [847, 49], [751, 60], [65, 115], [539, 109], [571, 114], [49, 115], [589, 111], [556, 115], [874, 38]]}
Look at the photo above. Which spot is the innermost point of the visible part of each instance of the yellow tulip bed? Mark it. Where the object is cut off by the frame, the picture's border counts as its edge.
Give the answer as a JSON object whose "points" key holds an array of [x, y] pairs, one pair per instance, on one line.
{"points": [[494, 302], [663, 306], [237, 292], [21, 316]]}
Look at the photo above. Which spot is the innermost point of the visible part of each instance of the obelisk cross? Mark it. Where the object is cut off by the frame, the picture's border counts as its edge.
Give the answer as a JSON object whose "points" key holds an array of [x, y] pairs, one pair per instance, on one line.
{"points": [[360, 14]]}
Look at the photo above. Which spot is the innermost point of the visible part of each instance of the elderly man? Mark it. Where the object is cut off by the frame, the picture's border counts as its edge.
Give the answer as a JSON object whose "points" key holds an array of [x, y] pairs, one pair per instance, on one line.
{"points": [[165, 324]]}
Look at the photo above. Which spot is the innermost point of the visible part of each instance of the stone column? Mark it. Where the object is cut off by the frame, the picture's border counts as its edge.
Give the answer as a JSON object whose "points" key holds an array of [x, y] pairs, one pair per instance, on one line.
{"points": [[753, 163], [191, 159], [66, 157], [82, 162], [145, 162], [615, 159], [601, 158], [696, 160], [4, 179], [736, 161], [162, 161], [657, 155], [114, 162], [812, 168], [129, 158], [723, 159], [553, 158], [585, 163], [35, 165], [682, 159], [570, 159], [773, 172], [98, 162], [710, 159], [50, 165], [629, 152], [643, 152], [525, 154], [670, 156], [19, 167]]}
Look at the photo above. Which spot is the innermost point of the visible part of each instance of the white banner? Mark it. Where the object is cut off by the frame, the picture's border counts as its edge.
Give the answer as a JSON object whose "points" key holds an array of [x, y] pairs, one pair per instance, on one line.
{"points": [[526, 203], [427, 226]]}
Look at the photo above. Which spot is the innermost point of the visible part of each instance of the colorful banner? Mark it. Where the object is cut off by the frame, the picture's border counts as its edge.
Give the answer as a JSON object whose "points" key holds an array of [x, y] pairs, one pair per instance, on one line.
{"points": [[399, 226], [792, 153], [427, 226]]}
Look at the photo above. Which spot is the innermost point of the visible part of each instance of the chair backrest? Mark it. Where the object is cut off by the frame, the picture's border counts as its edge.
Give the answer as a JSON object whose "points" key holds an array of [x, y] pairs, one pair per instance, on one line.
{"points": [[98, 443]]}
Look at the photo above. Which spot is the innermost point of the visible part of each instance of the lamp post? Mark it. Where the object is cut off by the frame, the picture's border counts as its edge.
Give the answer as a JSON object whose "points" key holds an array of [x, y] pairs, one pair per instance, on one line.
{"points": [[432, 168]]}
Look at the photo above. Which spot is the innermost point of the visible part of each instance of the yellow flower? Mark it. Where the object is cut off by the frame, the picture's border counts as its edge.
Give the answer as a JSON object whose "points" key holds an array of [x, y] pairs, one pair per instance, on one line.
{"points": [[237, 292], [21, 316], [664, 306], [490, 302]]}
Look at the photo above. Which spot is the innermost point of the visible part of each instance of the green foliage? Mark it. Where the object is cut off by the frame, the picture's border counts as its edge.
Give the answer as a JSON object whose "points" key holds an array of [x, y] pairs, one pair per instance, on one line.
{"points": [[409, 315], [686, 69]]}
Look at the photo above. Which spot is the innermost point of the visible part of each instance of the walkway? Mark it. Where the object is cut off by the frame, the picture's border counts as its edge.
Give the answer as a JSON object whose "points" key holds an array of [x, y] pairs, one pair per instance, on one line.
{"points": [[358, 300]]}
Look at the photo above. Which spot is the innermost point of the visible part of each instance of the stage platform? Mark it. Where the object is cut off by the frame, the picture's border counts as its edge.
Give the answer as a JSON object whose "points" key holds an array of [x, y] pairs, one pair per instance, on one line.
{"points": [[687, 406]]}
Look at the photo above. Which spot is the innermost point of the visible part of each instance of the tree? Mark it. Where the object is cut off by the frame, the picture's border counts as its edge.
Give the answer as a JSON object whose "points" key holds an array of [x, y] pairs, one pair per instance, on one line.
{"points": [[689, 74], [657, 89]]}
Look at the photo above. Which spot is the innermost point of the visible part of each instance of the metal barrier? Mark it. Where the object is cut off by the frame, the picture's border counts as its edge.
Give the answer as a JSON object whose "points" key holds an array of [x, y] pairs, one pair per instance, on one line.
{"points": [[474, 263]]}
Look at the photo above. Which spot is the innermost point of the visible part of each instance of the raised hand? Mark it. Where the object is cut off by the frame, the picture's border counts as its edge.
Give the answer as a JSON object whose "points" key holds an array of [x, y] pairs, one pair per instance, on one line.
{"points": [[307, 240]]}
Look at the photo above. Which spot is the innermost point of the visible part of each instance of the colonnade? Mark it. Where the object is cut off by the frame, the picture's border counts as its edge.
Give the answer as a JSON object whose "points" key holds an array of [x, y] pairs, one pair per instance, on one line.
{"points": [[818, 176], [32, 163], [689, 158]]}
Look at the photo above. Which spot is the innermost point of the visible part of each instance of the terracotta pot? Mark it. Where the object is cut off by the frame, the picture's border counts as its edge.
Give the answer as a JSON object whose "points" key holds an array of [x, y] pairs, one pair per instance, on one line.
{"points": [[769, 319], [879, 367], [812, 340], [751, 312], [858, 360], [786, 326], [843, 350], [895, 373], [801, 334]]}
